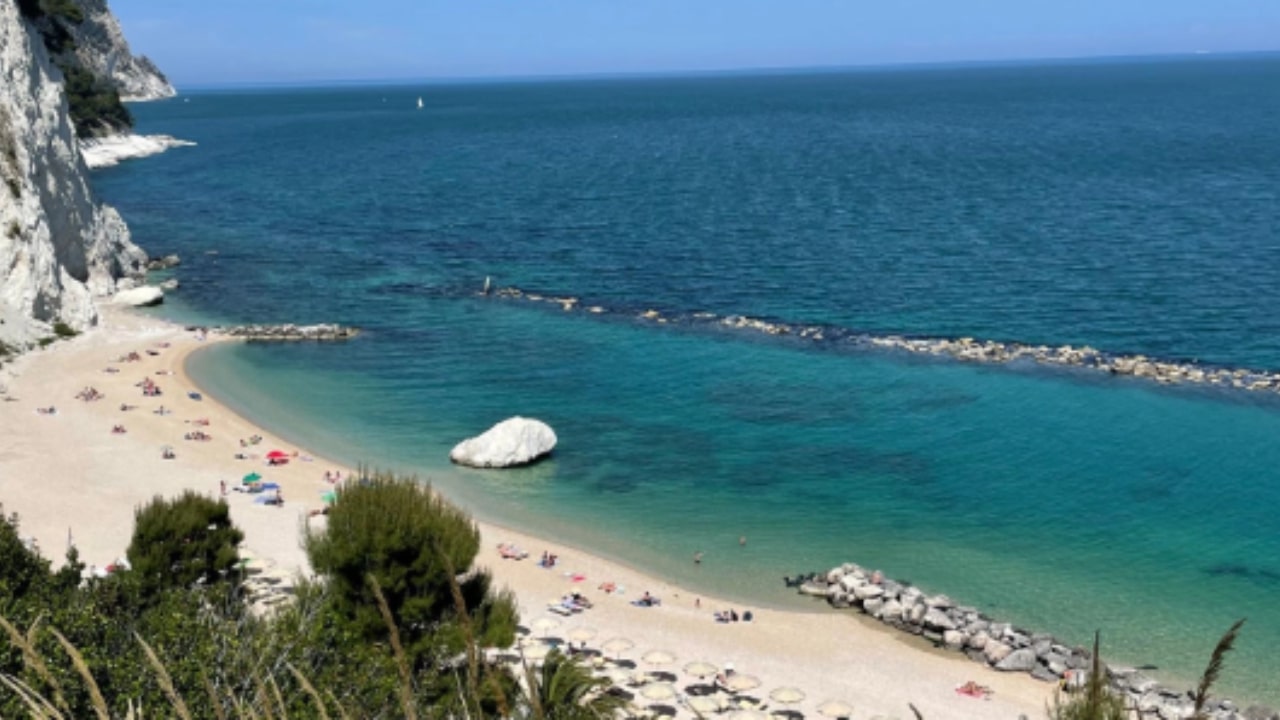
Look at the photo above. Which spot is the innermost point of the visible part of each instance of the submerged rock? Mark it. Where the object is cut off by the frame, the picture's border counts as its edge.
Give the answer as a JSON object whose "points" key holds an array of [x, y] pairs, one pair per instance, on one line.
{"points": [[513, 442]]}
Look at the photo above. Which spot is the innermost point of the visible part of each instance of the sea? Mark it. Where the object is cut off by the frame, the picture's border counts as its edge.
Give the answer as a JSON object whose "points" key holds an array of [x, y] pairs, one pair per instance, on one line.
{"points": [[1129, 205]]}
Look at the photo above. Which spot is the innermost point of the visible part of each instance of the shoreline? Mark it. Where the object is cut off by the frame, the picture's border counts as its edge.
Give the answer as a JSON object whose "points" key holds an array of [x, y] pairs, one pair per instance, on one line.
{"points": [[91, 493]]}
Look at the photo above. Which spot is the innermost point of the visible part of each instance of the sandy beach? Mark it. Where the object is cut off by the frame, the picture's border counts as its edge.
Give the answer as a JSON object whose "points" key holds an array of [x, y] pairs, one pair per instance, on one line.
{"points": [[68, 475]]}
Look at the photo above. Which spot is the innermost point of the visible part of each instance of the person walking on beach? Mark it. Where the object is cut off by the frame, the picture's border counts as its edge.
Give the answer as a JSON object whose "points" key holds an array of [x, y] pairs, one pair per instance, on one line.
{"points": [[697, 558]]}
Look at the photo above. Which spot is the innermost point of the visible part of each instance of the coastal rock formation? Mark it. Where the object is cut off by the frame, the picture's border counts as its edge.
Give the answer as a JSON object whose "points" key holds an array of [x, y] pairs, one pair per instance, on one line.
{"points": [[144, 296], [286, 332], [1000, 645], [100, 152], [512, 442], [164, 263], [59, 247], [963, 349], [102, 48]]}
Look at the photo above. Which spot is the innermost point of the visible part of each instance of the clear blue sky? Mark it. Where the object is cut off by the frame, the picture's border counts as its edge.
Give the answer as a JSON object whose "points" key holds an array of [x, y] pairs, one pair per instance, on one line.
{"points": [[237, 41]]}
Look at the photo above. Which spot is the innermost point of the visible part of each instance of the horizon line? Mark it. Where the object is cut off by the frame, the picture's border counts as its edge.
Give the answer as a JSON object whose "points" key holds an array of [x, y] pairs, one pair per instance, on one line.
{"points": [[713, 72]]}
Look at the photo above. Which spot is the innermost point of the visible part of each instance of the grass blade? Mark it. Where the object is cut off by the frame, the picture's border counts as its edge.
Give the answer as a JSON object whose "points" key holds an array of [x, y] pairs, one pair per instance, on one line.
{"points": [[166, 682], [77, 661]]}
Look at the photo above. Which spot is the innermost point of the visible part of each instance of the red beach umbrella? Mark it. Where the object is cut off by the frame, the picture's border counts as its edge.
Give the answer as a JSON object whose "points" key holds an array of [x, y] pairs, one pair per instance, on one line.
{"points": [[277, 455]]}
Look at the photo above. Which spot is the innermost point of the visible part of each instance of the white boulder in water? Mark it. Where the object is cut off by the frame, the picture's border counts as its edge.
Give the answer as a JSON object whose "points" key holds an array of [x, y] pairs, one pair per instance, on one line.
{"points": [[512, 442], [144, 296]]}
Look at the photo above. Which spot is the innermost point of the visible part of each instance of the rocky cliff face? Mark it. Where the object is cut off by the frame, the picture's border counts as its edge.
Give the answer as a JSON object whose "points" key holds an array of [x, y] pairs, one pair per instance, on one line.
{"points": [[59, 247], [102, 49]]}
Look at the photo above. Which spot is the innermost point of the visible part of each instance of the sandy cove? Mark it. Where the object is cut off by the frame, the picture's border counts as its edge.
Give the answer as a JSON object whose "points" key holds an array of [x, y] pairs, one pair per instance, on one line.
{"points": [[68, 471]]}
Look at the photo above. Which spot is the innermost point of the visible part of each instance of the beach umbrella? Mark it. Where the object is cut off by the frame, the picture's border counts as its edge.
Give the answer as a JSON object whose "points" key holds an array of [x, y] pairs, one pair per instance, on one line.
{"points": [[787, 695], [618, 676], [543, 624], [582, 634], [329, 497], [277, 455], [535, 652], [701, 669], [748, 714], [704, 703], [251, 478], [617, 646], [659, 657], [741, 683], [658, 692], [270, 486], [835, 709]]}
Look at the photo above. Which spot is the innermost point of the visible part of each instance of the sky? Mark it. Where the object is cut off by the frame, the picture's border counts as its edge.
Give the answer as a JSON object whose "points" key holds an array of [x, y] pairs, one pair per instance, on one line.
{"points": [[198, 42]]}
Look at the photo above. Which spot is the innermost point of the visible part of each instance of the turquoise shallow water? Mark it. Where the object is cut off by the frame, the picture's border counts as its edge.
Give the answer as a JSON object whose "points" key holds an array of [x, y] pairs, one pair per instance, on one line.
{"points": [[1130, 206]]}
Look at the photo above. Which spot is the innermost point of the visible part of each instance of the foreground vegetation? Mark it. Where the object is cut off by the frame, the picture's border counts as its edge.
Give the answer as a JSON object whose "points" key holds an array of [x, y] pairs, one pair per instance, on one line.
{"points": [[394, 627]]}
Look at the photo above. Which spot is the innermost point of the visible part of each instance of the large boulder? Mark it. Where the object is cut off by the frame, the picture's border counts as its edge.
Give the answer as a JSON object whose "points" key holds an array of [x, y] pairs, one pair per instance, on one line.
{"points": [[513, 442], [1018, 661], [144, 296]]}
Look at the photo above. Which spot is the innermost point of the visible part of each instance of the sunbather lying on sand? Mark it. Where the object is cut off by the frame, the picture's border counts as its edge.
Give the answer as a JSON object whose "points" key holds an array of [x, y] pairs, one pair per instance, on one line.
{"points": [[973, 689], [510, 551]]}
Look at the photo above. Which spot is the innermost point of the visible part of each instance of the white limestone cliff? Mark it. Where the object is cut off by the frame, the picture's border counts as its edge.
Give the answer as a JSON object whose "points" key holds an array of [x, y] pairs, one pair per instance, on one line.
{"points": [[102, 48], [59, 247]]}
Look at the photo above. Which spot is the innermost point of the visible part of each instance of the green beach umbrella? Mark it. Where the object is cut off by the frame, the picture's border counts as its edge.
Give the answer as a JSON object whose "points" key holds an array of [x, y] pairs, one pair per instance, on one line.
{"points": [[252, 477], [329, 497]]}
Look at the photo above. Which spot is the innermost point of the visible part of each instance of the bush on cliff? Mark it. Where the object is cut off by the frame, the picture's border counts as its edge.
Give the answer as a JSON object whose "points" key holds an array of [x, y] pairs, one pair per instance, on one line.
{"points": [[94, 101]]}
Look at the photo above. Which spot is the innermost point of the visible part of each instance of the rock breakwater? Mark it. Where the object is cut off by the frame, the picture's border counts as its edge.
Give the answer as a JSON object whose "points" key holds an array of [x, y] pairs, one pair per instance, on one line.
{"points": [[1000, 645], [965, 349], [285, 332]]}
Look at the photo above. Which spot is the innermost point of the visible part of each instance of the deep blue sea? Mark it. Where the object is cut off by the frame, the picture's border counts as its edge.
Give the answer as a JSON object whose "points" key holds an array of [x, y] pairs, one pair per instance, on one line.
{"points": [[1132, 206]]}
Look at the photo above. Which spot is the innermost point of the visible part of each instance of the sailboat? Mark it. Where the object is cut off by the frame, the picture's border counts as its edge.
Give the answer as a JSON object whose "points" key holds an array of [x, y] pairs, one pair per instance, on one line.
{"points": [[419, 103]]}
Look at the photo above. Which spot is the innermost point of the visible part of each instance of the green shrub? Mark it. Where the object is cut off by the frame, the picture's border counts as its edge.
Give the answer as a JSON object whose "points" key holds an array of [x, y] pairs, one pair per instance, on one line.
{"points": [[179, 542], [419, 549], [15, 230], [94, 102], [64, 330], [15, 188]]}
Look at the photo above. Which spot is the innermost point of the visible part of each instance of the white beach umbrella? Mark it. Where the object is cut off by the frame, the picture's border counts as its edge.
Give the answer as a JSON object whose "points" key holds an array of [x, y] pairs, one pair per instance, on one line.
{"points": [[617, 646], [535, 652], [704, 703], [701, 669], [659, 657], [544, 624], [582, 634], [835, 709], [787, 695], [738, 682], [658, 692], [618, 676]]}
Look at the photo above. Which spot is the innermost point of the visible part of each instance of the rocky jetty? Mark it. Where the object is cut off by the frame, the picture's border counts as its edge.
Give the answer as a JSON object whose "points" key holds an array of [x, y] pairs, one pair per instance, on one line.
{"points": [[513, 442], [994, 352], [285, 332], [1000, 645]]}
